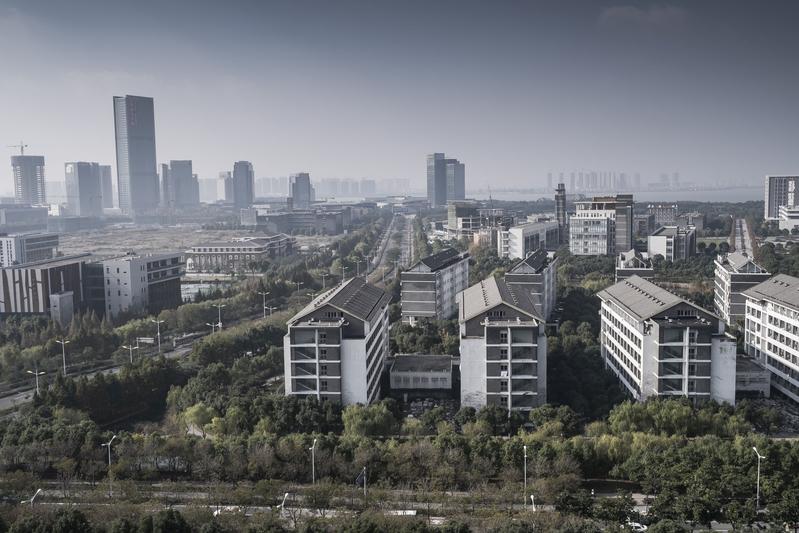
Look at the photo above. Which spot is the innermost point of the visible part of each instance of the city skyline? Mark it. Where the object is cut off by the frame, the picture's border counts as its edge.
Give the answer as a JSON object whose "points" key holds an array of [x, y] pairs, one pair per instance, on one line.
{"points": [[516, 90]]}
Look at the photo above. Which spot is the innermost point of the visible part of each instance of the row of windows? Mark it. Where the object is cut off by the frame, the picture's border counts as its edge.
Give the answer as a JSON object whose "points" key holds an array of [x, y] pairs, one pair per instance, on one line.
{"points": [[627, 361], [619, 325], [423, 380]]}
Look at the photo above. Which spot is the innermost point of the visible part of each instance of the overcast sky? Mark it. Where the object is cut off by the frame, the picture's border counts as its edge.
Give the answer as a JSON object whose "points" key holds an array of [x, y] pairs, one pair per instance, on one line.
{"points": [[367, 88]]}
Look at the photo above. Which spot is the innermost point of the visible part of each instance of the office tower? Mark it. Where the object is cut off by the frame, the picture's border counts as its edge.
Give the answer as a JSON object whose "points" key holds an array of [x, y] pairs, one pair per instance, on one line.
{"points": [[560, 211], [208, 190], [665, 214], [243, 184], [521, 239], [137, 177], [456, 180], [22, 248], [436, 180], [225, 189], [660, 345], [780, 190], [84, 191], [179, 185], [107, 186], [735, 273], [302, 193], [771, 322], [672, 242], [602, 226], [336, 347], [503, 346], [430, 287], [29, 186]]}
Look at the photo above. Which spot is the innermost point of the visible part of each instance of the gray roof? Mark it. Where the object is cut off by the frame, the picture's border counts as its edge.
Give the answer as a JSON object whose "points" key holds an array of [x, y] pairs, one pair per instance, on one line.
{"points": [[355, 297], [671, 231], [491, 292], [54, 262], [422, 363], [642, 298], [740, 262], [782, 289], [531, 264], [440, 260]]}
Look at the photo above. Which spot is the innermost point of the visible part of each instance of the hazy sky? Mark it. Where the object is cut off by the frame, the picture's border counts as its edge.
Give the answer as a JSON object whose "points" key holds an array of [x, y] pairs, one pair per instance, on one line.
{"points": [[367, 88]]}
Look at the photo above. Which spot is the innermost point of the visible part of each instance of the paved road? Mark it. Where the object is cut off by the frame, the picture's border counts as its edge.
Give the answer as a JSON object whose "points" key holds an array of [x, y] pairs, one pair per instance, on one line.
{"points": [[743, 238]]}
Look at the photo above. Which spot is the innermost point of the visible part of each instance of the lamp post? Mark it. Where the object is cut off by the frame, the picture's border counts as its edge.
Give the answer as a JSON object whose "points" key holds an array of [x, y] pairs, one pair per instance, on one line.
{"points": [[36, 375], [30, 501], [525, 475], [299, 284], [759, 457], [358, 267], [343, 273], [213, 327], [108, 445], [219, 315], [158, 332], [323, 280], [63, 342], [130, 348], [264, 293], [313, 462], [271, 309]]}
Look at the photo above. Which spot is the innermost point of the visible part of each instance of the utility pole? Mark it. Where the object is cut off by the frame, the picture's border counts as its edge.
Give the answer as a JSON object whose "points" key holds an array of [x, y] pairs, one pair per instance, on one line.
{"points": [[158, 332], [264, 293], [63, 342]]}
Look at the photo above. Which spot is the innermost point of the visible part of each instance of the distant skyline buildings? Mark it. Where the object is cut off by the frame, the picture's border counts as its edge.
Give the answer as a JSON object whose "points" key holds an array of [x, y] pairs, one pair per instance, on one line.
{"points": [[84, 189], [302, 192], [107, 186], [179, 185], [137, 177], [29, 179], [446, 180], [243, 184]]}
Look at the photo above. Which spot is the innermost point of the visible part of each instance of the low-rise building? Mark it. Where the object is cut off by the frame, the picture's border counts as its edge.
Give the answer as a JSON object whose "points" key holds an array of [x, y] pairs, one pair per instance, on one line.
{"points": [[771, 330], [536, 274], [22, 217], [752, 378], [643, 225], [659, 345], [430, 287], [518, 241], [672, 242], [336, 347], [238, 255], [788, 217], [734, 273], [19, 248], [692, 218], [307, 221], [421, 372], [634, 263], [503, 347]]}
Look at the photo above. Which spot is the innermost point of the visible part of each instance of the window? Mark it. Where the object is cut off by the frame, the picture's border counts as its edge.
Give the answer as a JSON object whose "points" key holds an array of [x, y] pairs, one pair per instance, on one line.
{"points": [[503, 386], [323, 385], [503, 352], [503, 336], [323, 370], [322, 353], [322, 337]]}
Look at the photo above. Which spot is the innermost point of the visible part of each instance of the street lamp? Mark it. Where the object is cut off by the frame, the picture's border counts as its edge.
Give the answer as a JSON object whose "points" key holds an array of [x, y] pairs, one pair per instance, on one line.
{"points": [[36, 375], [271, 309], [219, 319], [264, 293], [63, 342], [158, 332], [525, 475], [108, 445], [323, 280], [313, 462], [30, 501], [130, 348], [759, 457], [213, 327], [299, 284], [343, 273], [358, 267]]}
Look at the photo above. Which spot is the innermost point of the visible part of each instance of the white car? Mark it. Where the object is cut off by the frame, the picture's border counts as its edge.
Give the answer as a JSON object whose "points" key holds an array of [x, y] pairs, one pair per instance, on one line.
{"points": [[636, 527]]}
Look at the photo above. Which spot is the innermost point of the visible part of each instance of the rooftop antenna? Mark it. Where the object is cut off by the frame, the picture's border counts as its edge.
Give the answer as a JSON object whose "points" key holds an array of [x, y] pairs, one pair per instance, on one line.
{"points": [[21, 147]]}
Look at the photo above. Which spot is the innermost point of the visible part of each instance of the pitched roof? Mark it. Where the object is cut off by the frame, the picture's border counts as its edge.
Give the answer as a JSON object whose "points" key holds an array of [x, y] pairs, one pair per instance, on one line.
{"points": [[642, 298], [355, 297], [741, 262], [491, 292], [444, 258], [782, 288], [531, 264]]}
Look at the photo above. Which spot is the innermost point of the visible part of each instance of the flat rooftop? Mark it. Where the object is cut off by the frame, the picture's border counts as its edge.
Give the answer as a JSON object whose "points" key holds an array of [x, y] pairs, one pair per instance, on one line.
{"points": [[422, 363]]}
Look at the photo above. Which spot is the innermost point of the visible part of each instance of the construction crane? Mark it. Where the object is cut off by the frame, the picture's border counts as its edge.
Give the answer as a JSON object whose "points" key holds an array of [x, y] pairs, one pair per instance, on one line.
{"points": [[21, 147]]}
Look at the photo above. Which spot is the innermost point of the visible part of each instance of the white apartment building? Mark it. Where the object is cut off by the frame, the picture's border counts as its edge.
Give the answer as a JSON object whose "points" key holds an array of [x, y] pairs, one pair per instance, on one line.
{"points": [[771, 330], [735, 272], [788, 217], [336, 347], [430, 287], [518, 241], [19, 248], [672, 242], [658, 344], [503, 347], [142, 283]]}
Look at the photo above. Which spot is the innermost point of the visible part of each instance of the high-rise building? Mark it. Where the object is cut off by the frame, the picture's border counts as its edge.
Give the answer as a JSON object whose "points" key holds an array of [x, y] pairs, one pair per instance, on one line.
{"points": [[735, 273], [208, 190], [436, 180], [660, 345], [225, 189], [430, 287], [336, 347], [302, 192], [456, 180], [665, 214], [167, 187], [519, 240], [179, 185], [137, 177], [560, 211], [602, 226], [780, 190], [243, 184], [84, 190], [29, 186], [107, 186]]}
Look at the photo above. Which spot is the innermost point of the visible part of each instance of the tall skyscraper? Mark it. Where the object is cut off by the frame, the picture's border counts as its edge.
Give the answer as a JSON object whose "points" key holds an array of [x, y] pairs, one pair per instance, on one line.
{"points": [[84, 191], [243, 184], [456, 180], [29, 185], [225, 190], [436, 180], [179, 185], [137, 177], [302, 192], [780, 190], [560, 212], [107, 187]]}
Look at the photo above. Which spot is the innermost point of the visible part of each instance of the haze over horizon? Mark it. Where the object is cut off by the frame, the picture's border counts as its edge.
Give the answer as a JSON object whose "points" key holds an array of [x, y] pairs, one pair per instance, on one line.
{"points": [[366, 89]]}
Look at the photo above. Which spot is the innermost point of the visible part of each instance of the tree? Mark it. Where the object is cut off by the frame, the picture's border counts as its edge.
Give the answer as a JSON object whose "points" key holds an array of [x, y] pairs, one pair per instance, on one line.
{"points": [[577, 503], [368, 420], [199, 416], [786, 510], [669, 526], [170, 521], [617, 510], [740, 513]]}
